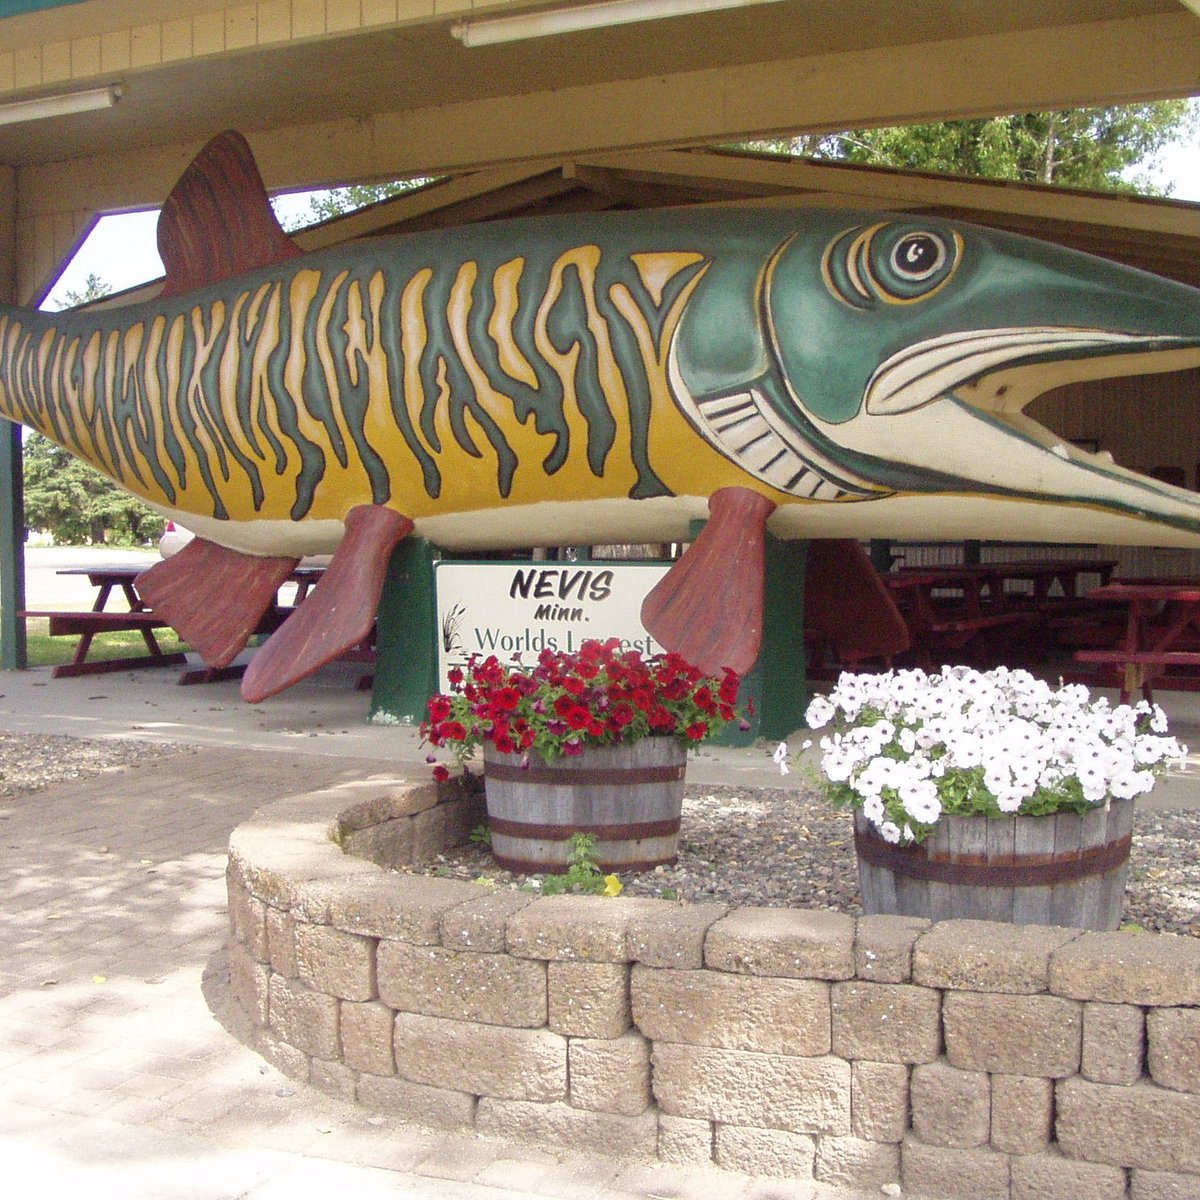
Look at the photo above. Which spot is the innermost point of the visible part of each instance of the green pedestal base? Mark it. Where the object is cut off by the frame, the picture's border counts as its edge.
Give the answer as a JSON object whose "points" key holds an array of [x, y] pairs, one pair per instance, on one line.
{"points": [[777, 682], [406, 672], [406, 639]]}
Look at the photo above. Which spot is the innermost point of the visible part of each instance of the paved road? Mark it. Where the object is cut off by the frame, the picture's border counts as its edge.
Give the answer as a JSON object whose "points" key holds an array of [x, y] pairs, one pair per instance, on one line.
{"points": [[46, 589]]}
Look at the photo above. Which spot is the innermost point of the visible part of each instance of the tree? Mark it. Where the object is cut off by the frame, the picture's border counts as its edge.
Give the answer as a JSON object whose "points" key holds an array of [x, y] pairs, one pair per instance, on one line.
{"points": [[324, 206], [94, 288], [76, 504], [1085, 148]]}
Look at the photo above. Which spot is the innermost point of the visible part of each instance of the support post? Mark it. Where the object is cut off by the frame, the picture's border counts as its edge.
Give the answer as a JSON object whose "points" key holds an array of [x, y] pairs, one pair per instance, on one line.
{"points": [[13, 648], [881, 554], [13, 654], [406, 636]]}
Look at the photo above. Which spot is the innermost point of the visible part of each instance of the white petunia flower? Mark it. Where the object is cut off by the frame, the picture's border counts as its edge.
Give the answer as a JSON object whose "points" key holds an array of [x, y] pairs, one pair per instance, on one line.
{"points": [[780, 758], [952, 740], [819, 713], [890, 832]]}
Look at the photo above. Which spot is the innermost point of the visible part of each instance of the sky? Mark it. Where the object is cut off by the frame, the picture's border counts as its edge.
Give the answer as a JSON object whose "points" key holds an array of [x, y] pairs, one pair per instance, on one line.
{"points": [[121, 249]]}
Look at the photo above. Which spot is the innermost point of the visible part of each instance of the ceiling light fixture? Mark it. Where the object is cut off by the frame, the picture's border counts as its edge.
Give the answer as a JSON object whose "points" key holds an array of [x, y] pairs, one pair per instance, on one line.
{"points": [[590, 16], [59, 106]]}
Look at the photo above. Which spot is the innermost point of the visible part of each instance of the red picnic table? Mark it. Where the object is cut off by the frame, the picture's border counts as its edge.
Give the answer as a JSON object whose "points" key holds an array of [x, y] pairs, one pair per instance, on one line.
{"points": [[137, 615], [101, 619], [1162, 630], [946, 608]]}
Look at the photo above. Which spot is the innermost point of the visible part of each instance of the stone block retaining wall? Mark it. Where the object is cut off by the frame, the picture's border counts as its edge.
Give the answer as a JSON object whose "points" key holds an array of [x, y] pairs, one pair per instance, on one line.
{"points": [[964, 1059]]}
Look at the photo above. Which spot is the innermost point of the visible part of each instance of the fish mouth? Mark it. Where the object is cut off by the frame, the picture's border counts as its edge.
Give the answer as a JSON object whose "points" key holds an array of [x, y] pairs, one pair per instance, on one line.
{"points": [[997, 372], [951, 395], [1000, 371]]}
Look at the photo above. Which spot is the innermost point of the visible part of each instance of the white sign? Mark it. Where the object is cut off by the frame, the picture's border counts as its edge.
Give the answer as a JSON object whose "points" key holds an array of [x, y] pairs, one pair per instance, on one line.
{"points": [[527, 607]]}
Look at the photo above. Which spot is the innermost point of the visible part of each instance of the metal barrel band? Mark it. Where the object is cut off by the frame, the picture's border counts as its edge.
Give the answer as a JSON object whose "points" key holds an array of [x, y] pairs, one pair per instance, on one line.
{"points": [[587, 776], [1039, 871], [626, 832]]}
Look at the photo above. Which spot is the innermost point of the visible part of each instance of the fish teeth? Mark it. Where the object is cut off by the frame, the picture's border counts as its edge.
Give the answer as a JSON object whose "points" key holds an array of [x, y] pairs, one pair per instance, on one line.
{"points": [[743, 427]]}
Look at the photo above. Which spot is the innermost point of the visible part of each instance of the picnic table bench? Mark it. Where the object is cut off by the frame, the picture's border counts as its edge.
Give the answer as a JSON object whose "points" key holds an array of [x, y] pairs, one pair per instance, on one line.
{"points": [[122, 578], [947, 608]]}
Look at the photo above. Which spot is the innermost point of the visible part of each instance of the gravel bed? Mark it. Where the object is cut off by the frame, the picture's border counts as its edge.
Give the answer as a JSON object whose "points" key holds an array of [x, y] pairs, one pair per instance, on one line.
{"points": [[30, 761], [787, 848], [774, 847]]}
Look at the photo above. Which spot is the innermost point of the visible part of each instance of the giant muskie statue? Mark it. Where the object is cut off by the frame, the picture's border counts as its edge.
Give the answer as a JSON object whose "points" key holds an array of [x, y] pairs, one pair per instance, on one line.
{"points": [[583, 379]]}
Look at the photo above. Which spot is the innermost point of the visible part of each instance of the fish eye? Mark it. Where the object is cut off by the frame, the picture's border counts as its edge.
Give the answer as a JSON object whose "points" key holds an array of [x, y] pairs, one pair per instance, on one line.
{"points": [[889, 263], [917, 256]]}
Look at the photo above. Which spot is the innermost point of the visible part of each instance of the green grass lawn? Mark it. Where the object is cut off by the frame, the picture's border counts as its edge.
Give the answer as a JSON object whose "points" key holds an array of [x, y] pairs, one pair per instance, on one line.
{"points": [[47, 651]]}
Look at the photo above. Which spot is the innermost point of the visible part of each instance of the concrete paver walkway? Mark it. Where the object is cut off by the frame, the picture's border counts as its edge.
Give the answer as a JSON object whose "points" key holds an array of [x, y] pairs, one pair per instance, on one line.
{"points": [[119, 1076]]}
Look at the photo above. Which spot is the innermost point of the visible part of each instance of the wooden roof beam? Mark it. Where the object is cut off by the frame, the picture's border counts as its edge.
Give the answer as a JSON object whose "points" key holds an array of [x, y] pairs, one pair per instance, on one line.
{"points": [[915, 188], [971, 76]]}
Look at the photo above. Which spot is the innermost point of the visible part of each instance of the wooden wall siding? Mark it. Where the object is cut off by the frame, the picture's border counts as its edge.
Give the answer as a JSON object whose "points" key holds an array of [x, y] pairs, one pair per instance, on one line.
{"points": [[1132, 561], [197, 31], [1144, 421]]}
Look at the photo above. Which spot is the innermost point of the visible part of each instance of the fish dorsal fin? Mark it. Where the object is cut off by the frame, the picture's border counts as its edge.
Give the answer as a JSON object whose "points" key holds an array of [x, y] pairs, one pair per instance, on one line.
{"points": [[217, 222]]}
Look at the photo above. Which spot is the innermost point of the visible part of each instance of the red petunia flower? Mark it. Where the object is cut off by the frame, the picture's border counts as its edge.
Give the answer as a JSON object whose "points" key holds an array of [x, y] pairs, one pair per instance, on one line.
{"points": [[441, 773], [661, 719], [578, 717]]}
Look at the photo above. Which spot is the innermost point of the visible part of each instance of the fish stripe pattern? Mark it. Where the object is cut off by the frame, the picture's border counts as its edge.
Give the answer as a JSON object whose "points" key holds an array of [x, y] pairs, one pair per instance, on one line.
{"points": [[248, 404]]}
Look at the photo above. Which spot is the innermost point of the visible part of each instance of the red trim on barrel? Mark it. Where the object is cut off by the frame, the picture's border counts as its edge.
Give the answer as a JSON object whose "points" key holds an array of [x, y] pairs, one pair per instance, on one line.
{"points": [[521, 867]]}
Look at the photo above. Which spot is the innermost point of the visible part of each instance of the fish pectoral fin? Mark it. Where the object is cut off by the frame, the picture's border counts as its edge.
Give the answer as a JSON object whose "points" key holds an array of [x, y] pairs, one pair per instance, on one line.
{"points": [[709, 606], [213, 597], [218, 221], [339, 612]]}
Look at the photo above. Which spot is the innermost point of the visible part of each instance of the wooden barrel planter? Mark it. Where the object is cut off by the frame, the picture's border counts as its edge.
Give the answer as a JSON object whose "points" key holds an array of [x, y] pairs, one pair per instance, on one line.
{"points": [[1064, 869], [629, 797]]}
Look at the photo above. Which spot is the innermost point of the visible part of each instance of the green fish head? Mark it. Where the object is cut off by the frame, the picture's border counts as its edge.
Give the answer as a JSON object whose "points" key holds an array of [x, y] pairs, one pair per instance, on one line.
{"points": [[901, 352], [920, 309]]}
